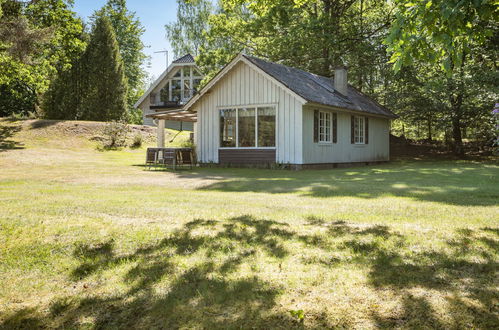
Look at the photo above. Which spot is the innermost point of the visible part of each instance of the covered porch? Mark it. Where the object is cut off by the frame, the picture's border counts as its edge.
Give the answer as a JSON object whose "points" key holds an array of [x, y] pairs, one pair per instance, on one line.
{"points": [[174, 115]]}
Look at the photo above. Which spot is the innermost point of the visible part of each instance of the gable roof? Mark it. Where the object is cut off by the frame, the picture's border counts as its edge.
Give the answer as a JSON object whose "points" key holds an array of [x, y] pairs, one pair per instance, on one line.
{"points": [[319, 89], [186, 59], [306, 86]]}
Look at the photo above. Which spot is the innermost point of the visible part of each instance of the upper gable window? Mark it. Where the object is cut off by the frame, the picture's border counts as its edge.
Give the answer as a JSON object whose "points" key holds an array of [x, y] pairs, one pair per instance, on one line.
{"points": [[181, 86]]}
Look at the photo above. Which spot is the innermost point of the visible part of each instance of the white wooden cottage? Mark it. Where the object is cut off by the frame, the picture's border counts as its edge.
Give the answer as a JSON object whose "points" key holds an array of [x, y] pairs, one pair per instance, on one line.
{"points": [[254, 112], [176, 85]]}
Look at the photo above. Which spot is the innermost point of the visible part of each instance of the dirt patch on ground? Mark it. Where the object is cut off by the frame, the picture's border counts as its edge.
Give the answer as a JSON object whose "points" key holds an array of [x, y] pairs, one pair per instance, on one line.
{"points": [[85, 129]]}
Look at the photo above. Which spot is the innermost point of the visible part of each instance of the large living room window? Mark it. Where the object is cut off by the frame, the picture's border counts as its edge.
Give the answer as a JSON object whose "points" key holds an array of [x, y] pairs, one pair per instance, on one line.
{"points": [[247, 127], [228, 128]]}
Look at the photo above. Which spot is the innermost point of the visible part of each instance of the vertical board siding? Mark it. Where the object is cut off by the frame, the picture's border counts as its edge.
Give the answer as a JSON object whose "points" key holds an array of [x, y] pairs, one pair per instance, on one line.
{"points": [[344, 151], [245, 86]]}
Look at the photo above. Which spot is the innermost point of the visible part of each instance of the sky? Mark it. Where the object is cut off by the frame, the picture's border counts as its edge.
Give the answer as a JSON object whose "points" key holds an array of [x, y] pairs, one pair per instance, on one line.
{"points": [[153, 14]]}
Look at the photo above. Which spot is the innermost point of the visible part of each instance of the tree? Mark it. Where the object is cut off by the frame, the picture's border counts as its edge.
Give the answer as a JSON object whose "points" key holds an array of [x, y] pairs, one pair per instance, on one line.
{"points": [[129, 31], [103, 85], [447, 34], [37, 38], [188, 33]]}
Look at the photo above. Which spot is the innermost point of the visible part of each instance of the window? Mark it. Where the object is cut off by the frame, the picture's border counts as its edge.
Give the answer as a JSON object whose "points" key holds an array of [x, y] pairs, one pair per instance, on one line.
{"points": [[325, 124], [359, 130], [176, 90], [228, 128], [266, 127], [165, 93], [187, 89], [247, 127]]}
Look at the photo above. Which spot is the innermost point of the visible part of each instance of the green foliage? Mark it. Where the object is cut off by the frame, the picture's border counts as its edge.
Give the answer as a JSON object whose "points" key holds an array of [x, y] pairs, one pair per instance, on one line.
{"points": [[298, 314], [129, 31], [440, 31], [454, 41], [115, 134], [94, 88], [104, 85], [36, 40], [137, 141], [188, 33]]}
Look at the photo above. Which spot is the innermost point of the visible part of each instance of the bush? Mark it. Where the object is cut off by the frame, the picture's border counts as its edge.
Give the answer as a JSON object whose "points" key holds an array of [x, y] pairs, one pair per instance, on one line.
{"points": [[115, 134], [136, 141]]}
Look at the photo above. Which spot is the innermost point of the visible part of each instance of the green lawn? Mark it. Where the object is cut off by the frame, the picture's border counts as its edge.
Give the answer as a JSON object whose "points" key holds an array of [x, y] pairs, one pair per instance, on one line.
{"points": [[89, 239]]}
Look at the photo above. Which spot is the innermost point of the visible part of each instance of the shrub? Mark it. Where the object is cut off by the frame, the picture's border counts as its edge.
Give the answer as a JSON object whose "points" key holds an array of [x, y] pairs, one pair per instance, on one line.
{"points": [[136, 141], [115, 134]]}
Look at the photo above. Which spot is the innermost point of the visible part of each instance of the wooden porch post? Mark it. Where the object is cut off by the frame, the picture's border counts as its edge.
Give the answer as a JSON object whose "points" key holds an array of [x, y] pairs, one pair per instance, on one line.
{"points": [[161, 133]]}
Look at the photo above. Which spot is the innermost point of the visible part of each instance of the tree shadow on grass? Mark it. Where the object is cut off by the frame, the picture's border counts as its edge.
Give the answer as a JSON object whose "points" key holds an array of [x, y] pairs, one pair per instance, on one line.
{"points": [[443, 182], [6, 133], [206, 275], [43, 123]]}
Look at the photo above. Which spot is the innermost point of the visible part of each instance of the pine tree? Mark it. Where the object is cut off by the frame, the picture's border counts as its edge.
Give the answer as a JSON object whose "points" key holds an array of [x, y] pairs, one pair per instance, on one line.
{"points": [[63, 98], [103, 84]]}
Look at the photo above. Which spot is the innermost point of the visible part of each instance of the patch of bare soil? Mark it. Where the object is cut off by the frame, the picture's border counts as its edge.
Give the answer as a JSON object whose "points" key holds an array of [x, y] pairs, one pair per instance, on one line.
{"points": [[88, 129]]}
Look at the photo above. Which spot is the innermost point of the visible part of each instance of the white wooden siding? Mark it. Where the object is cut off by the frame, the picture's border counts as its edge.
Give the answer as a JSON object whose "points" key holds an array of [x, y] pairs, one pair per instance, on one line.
{"points": [[242, 86], [344, 151]]}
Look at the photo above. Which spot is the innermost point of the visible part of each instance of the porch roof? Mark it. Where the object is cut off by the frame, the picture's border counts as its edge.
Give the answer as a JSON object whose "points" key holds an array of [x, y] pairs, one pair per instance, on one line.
{"points": [[177, 115]]}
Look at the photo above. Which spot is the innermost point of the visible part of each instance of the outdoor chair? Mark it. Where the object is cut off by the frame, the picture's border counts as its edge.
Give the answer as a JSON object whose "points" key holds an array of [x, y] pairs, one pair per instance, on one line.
{"points": [[151, 157]]}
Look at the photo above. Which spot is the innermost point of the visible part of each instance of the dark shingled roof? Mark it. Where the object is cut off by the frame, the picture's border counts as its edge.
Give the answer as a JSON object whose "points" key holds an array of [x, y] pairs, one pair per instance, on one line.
{"points": [[185, 59], [318, 89]]}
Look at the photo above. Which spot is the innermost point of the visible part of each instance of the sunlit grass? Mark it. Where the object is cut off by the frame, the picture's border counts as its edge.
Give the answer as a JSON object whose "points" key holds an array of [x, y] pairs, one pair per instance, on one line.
{"points": [[90, 239]]}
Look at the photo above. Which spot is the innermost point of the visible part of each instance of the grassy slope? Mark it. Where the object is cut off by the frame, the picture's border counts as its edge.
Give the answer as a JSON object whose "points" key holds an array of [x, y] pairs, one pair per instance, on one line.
{"points": [[90, 239]]}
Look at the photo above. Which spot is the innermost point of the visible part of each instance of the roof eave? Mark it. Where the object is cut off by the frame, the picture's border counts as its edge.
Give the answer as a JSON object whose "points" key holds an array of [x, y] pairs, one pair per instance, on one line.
{"points": [[310, 103]]}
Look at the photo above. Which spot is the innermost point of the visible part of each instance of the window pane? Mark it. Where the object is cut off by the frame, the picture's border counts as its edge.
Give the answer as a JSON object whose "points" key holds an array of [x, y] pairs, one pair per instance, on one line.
{"points": [[177, 74], [187, 89], [359, 130], [246, 127], [176, 90], [266, 127], [186, 72], [196, 73], [324, 126], [165, 93], [228, 128], [196, 83]]}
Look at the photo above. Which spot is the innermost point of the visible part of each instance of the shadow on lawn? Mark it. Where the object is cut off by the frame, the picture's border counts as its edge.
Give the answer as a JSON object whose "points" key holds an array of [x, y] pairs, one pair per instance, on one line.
{"points": [[213, 293], [449, 183], [7, 132]]}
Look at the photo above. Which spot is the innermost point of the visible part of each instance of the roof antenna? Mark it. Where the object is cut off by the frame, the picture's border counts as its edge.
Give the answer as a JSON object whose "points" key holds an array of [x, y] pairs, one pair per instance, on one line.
{"points": [[166, 53]]}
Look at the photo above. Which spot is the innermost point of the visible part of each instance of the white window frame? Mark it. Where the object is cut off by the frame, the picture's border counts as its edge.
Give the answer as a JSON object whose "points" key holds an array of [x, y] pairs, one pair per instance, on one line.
{"points": [[359, 130], [325, 138], [191, 79], [255, 106]]}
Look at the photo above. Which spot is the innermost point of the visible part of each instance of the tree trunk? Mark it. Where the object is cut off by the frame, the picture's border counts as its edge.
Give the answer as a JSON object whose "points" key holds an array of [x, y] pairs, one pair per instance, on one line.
{"points": [[456, 135], [429, 129], [456, 94]]}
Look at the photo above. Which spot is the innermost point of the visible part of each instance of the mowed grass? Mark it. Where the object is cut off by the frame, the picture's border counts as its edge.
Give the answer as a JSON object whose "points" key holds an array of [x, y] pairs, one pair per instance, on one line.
{"points": [[89, 239]]}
